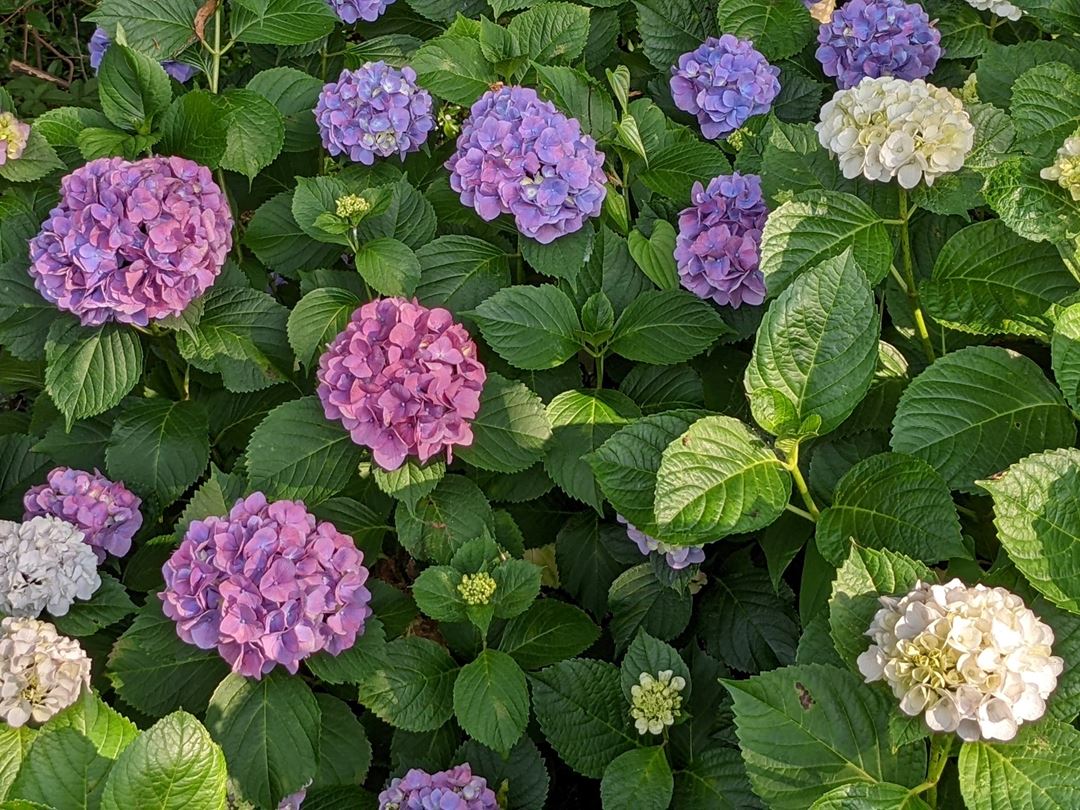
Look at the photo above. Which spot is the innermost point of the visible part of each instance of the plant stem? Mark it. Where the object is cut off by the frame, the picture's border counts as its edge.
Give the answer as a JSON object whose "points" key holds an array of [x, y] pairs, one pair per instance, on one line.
{"points": [[800, 512], [599, 363], [215, 67], [792, 466], [909, 278], [940, 747]]}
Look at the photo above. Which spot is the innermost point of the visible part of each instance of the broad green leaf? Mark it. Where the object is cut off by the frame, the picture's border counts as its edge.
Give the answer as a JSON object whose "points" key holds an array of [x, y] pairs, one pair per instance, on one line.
{"points": [[256, 132], [880, 796], [109, 731], [563, 258], [315, 197], [109, 604], [25, 317], [778, 28], [89, 371], [998, 407], [530, 327], [747, 623], [62, 769], [674, 169], [20, 467], [1065, 354], [818, 345], [133, 88], [411, 481], [453, 68], [552, 32], [195, 126], [14, 743], [280, 22], [590, 555], [160, 28], [638, 778], [411, 685], [269, 731], [521, 777], [1036, 209], [294, 94], [639, 601], [657, 389], [650, 655], [436, 594], [670, 28], [280, 243], [491, 701], [389, 266], [891, 501], [579, 96], [458, 272], [666, 326], [715, 780], [719, 478], [37, 160], [510, 430], [656, 255], [83, 446], [807, 729], [173, 765], [548, 632], [344, 750], [317, 319], [1046, 107], [518, 584], [455, 512]]}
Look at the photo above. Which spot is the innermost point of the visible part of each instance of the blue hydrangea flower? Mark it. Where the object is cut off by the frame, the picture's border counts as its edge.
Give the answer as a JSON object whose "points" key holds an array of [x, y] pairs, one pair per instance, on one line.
{"points": [[724, 82], [349, 11], [374, 111], [100, 41], [878, 38]]}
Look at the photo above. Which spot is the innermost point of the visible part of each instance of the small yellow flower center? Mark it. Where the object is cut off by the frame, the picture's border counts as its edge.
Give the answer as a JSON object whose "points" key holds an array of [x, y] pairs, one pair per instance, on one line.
{"points": [[477, 589], [925, 660], [352, 205]]}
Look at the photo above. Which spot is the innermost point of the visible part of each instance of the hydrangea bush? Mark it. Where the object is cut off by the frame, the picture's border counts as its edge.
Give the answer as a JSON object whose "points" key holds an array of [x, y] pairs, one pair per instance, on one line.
{"points": [[469, 405]]}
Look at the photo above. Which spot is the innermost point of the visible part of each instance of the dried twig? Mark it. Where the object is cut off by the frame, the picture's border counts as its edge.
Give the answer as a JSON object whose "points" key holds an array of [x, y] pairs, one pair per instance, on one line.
{"points": [[22, 67]]}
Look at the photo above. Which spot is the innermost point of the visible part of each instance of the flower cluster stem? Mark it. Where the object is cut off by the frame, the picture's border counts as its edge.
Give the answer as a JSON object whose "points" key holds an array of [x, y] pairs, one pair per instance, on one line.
{"points": [[792, 466], [940, 748], [907, 281]]}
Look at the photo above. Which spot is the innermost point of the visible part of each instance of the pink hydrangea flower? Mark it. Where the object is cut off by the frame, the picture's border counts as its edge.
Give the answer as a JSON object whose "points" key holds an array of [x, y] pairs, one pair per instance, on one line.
{"points": [[455, 789], [107, 513], [132, 241], [266, 585], [404, 380]]}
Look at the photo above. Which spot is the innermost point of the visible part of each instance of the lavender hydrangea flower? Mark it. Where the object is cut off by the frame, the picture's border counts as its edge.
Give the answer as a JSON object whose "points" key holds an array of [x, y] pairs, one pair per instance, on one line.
{"points": [[878, 38], [266, 585], [519, 155], [106, 513], [677, 557], [717, 249], [132, 242], [724, 82], [374, 111], [403, 380], [100, 42], [349, 11], [455, 789]]}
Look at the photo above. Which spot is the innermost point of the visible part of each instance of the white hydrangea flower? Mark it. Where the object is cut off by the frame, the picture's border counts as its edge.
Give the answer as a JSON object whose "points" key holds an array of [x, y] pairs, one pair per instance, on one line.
{"points": [[655, 701], [822, 10], [1002, 8], [975, 661], [884, 128], [1066, 169], [44, 565], [41, 672]]}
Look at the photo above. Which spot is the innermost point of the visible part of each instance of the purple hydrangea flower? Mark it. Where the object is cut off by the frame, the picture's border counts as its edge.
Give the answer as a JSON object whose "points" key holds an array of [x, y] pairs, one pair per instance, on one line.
{"points": [[717, 249], [266, 585], [374, 111], [519, 155], [100, 41], [677, 557], [349, 11], [132, 242], [724, 82], [107, 513], [403, 380], [455, 789], [878, 38]]}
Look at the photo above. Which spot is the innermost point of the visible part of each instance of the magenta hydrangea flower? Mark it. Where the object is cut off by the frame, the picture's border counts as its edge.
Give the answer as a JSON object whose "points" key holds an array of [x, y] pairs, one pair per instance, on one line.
{"points": [[724, 82], [718, 246], [100, 41], [266, 585], [455, 789], [350, 11], [404, 380], [878, 38], [132, 242], [677, 557], [107, 513], [517, 154], [374, 111]]}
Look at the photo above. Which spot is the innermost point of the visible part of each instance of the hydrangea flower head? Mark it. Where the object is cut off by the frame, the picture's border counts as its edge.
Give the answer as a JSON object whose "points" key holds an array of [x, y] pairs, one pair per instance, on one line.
{"points": [[453, 789], [100, 41], [106, 513], [878, 38], [975, 661], [1002, 8], [404, 380], [374, 111], [350, 11], [724, 82], [677, 557], [884, 128], [267, 584], [477, 589], [718, 246], [517, 154], [41, 671], [13, 137], [351, 206], [44, 565], [1066, 168], [655, 702], [132, 242]]}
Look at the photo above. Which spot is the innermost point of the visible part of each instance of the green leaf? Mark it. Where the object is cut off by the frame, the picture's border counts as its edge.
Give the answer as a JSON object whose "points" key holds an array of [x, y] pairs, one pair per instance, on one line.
{"points": [[747, 623], [107, 729], [1046, 107], [670, 28], [269, 731], [109, 604], [159, 447], [37, 160], [317, 319], [14, 743], [818, 344], [458, 272], [650, 655], [256, 132], [510, 430], [296, 452], [436, 594], [62, 769], [282, 245], [657, 389], [491, 700], [89, 371], [196, 126], [160, 28], [1036, 209], [580, 707], [344, 750], [665, 327], [987, 281], [174, 765], [656, 255], [411, 481], [552, 32], [639, 601], [408, 217], [891, 501], [411, 685], [1065, 354], [518, 584], [714, 780], [639, 778], [581, 421], [999, 408], [807, 729], [778, 28], [280, 22], [133, 88], [818, 225], [389, 266], [880, 796], [314, 197], [719, 478], [579, 96], [530, 327], [674, 169], [294, 94], [589, 558], [453, 68], [548, 632], [562, 258], [451, 515], [1038, 520]]}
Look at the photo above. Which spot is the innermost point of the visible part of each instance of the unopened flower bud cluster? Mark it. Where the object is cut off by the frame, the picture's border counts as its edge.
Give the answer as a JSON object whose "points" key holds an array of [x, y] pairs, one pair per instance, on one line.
{"points": [[655, 701], [477, 589]]}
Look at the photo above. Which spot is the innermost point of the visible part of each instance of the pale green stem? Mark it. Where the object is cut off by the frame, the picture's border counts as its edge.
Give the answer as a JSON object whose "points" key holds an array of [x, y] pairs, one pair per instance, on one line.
{"points": [[909, 278]]}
